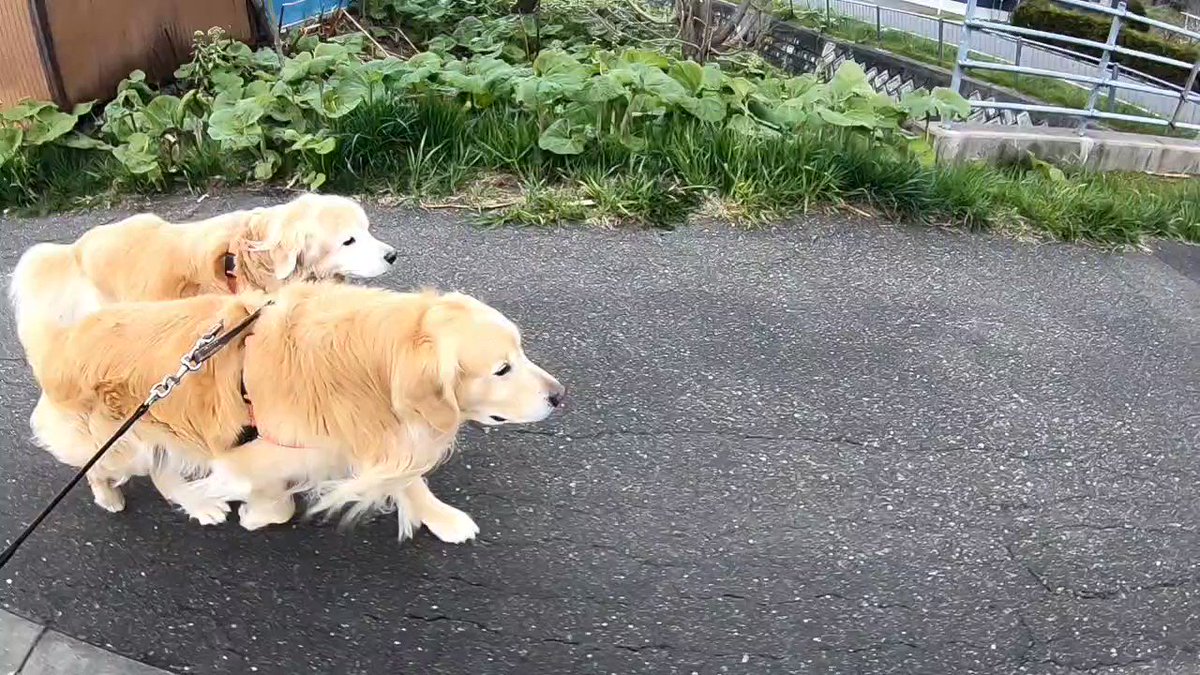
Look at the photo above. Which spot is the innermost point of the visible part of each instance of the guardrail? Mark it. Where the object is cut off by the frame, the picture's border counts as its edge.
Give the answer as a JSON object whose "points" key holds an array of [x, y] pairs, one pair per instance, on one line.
{"points": [[1103, 77], [1191, 22], [1159, 98]]}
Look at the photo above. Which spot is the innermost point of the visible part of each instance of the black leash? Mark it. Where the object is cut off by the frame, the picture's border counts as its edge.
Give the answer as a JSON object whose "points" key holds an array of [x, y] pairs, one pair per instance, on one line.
{"points": [[204, 349]]}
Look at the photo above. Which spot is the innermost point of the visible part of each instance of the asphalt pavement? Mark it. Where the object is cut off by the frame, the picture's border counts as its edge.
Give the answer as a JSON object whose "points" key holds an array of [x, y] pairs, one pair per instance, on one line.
{"points": [[831, 447]]}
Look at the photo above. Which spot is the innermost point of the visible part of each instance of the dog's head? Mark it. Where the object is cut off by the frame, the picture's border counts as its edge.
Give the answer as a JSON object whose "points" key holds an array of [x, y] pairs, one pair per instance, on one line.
{"points": [[472, 367], [316, 237]]}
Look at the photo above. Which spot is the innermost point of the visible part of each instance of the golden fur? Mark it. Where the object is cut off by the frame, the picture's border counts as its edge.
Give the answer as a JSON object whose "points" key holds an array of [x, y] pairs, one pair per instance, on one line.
{"points": [[144, 258], [357, 393]]}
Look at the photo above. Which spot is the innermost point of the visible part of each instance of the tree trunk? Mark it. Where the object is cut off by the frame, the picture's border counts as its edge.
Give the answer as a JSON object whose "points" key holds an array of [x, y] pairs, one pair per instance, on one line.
{"points": [[694, 17], [738, 14], [699, 30]]}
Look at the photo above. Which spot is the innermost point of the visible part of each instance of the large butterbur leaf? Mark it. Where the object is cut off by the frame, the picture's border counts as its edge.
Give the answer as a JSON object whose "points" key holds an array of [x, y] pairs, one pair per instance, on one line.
{"points": [[558, 62], [850, 80], [666, 88], [645, 58], [791, 113], [237, 126], [951, 104], [266, 166], [850, 118], [48, 125], [708, 108], [10, 142], [689, 74], [139, 155], [161, 114], [603, 88], [562, 139]]}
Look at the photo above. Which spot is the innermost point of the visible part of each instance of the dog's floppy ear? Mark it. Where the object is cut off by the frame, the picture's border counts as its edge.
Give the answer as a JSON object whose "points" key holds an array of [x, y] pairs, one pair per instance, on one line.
{"points": [[425, 383], [271, 235]]}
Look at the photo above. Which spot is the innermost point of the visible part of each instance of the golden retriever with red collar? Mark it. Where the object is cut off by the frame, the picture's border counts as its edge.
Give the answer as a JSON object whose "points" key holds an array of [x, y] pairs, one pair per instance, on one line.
{"points": [[144, 257], [355, 394]]}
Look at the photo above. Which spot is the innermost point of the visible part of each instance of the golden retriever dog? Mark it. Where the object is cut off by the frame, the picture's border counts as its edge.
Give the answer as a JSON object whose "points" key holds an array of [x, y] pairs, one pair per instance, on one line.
{"points": [[145, 258], [348, 394]]}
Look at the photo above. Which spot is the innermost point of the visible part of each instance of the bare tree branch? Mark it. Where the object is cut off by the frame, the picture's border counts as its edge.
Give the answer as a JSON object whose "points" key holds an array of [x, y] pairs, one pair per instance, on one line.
{"points": [[724, 32], [637, 9]]}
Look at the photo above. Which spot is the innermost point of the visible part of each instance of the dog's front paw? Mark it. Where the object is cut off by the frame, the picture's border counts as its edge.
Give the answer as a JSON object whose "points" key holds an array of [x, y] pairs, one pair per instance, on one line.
{"points": [[109, 498], [207, 511], [451, 525], [255, 515]]}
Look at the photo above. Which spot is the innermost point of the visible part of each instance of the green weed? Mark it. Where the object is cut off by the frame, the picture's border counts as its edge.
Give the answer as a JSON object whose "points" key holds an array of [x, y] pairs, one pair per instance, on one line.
{"points": [[629, 137]]}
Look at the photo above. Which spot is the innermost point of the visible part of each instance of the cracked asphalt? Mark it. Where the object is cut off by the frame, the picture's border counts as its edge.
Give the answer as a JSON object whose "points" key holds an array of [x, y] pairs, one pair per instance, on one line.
{"points": [[833, 447]]}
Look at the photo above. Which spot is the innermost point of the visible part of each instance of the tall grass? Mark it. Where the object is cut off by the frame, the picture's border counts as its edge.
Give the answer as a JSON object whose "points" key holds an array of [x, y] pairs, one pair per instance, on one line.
{"points": [[430, 147], [53, 177]]}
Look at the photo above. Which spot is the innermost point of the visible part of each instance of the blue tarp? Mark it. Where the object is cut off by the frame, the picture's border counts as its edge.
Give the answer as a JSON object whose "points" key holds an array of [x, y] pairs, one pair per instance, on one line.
{"points": [[295, 12]]}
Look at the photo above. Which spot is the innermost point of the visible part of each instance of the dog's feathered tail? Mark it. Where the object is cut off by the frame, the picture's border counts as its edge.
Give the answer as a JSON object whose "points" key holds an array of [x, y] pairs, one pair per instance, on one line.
{"points": [[49, 292]]}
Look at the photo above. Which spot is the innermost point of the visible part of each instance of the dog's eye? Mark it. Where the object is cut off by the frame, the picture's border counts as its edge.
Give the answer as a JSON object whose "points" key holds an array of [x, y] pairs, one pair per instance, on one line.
{"points": [[348, 242], [503, 370]]}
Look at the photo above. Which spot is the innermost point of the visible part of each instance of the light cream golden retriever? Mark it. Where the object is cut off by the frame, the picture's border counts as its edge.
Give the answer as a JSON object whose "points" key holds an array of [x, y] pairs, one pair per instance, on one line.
{"points": [[143, 257], [355, 395]]}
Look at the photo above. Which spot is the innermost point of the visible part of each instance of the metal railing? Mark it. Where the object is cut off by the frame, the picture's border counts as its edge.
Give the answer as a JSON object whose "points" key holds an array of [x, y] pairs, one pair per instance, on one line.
{"points": [[1159, 98], [1191, 22], [293, 13], [1104, 77]]}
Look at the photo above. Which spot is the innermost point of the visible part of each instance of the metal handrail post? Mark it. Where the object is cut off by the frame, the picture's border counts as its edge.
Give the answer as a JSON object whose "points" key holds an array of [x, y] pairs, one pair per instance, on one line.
{"points": [[1017, 58], [941, 40], [1112, 91], [1114, 30], [964, 47], [1183, 93]]}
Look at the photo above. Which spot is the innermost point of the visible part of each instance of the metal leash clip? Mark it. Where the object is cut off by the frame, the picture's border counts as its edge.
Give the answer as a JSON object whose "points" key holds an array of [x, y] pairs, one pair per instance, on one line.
{"points": [[189, 363]]}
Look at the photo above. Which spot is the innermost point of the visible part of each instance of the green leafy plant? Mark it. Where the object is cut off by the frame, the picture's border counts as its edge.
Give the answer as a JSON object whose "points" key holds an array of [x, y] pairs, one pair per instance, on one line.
{"points": [[609, 135], [36, 123]]}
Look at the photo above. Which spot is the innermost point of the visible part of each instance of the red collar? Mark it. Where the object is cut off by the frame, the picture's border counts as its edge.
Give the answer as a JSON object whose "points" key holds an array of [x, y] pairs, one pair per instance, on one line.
{"points": [[257, 432], [229, 261]]}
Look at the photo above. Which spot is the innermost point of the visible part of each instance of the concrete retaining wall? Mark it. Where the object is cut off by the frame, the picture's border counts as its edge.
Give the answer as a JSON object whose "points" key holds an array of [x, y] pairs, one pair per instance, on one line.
{"points": [[1095, 150]]}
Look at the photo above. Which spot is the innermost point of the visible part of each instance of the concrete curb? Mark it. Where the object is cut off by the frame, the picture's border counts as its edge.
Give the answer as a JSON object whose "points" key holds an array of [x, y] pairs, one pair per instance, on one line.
{"points": [[1098, 150], [27, 648]]}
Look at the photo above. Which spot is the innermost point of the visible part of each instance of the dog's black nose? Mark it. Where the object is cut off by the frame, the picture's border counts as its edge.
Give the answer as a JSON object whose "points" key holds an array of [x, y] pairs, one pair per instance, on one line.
{"points": [[556, 396], [390, 257]]}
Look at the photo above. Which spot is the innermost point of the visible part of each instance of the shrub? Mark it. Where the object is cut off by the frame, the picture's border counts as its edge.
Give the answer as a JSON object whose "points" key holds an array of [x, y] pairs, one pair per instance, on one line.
{"points": [[1046, 16], [242, 111], [1138, 8]]}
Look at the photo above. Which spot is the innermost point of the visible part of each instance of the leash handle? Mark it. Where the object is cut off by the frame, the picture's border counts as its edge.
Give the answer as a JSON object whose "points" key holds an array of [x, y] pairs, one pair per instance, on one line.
{"points": [[205, 348]]}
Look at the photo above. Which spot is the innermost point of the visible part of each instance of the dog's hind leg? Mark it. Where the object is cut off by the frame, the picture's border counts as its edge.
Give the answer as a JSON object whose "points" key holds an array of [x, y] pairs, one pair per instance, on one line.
{"points": [[269, 506], [257, 474], [67, 436]]}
